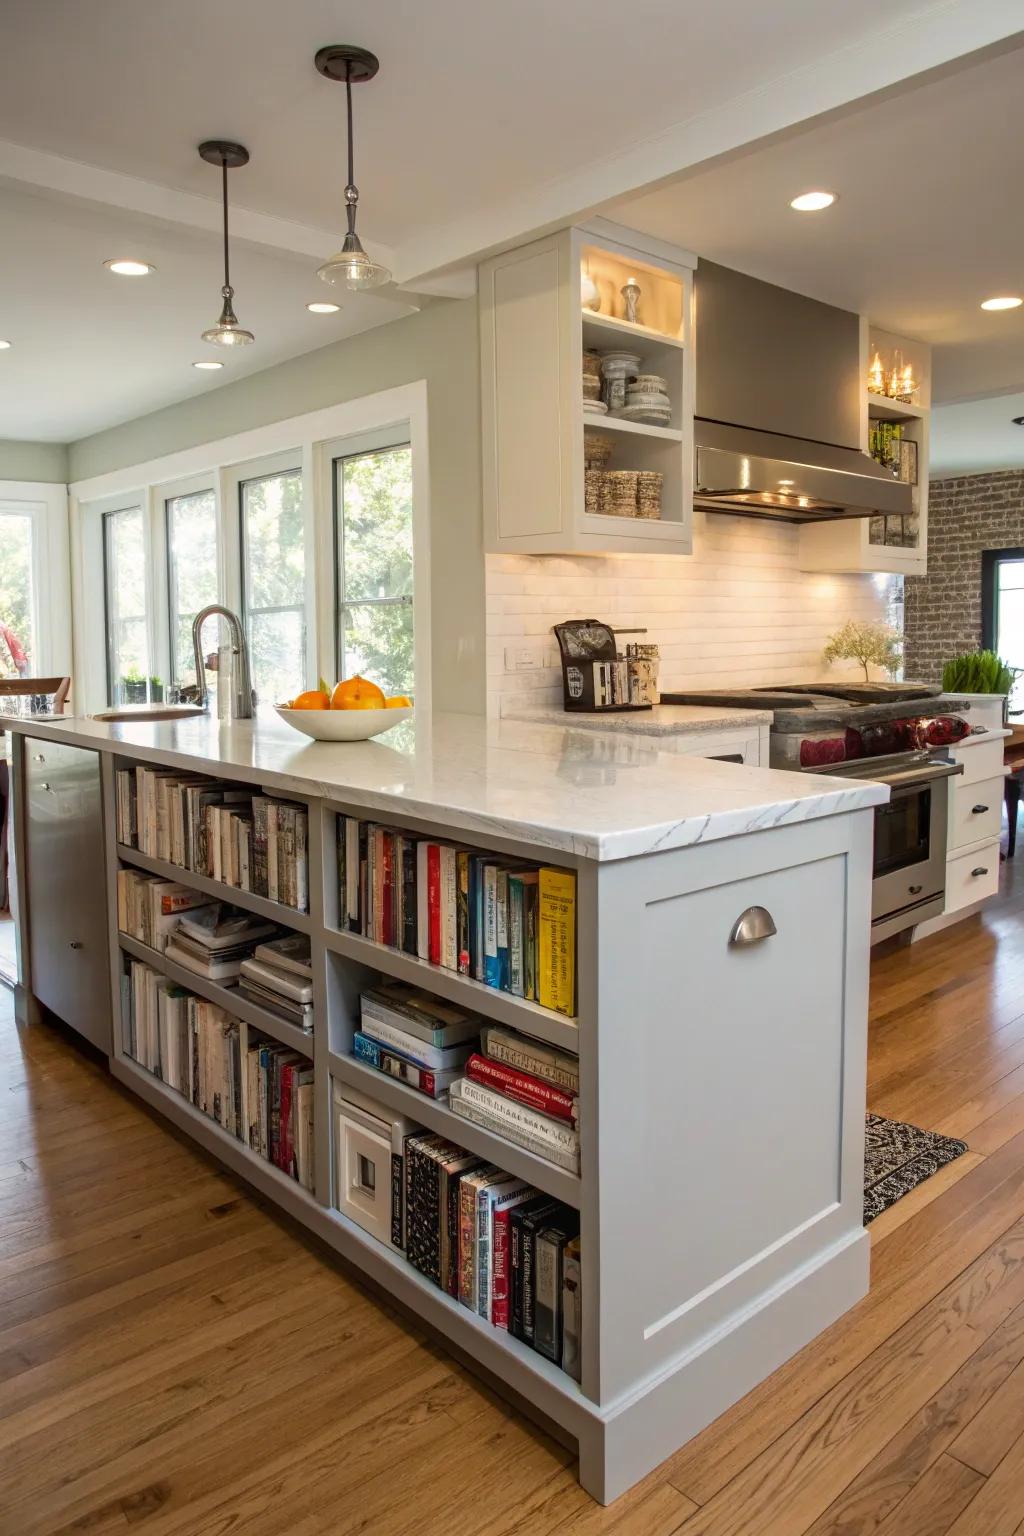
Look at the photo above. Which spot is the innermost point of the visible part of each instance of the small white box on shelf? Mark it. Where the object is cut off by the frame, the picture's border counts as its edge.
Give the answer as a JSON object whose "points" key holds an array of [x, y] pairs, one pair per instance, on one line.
{"points": [[368, 1163]]}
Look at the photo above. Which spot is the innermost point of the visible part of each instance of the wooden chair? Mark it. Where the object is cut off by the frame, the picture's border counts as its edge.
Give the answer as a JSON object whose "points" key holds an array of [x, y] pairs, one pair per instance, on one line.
{"points": [[27, 686], [1013, 760]]}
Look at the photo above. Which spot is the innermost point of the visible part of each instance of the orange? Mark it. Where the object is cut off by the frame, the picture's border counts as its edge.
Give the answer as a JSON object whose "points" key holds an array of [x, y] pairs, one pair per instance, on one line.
{"points": [[313, 698], [357, 693], [398, 701]]}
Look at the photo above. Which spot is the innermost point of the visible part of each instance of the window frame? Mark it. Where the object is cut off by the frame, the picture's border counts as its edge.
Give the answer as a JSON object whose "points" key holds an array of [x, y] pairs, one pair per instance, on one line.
{"points": [[991, 560], [195, 485], [312, 438], [46, 504], [289, 461], [145, 616], [357, 446]]}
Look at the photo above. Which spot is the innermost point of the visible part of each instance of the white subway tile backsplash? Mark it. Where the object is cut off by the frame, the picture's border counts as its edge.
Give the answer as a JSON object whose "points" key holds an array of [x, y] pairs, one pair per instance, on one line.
{"points": [[737, 612]]}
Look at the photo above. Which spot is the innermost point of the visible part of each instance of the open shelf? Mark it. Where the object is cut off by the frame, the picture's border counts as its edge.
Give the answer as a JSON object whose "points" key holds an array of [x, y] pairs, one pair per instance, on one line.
{"points": [[228, 998], [503, 1007], [266, 1176], [537, 1379], [599, 329], [640, 428], [881, 408], [274, 911], [435, 1113]]}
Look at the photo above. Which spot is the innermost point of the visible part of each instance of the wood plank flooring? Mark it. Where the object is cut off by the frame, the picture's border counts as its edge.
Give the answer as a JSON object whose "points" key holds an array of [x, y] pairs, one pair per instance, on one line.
{"points": [[176, 1359]]}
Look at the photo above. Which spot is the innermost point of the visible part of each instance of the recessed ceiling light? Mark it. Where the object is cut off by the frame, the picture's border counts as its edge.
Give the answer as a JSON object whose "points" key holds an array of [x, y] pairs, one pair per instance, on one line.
{"points": [[5, 346], [1008, 301], [813, 202], [206, 366], [127, 268], [323, 309]]}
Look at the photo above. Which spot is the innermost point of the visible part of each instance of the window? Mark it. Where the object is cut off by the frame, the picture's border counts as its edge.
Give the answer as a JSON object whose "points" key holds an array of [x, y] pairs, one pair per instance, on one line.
{"points": [[1002, 613], [124, 570], [17, 595], [374, 540], [274, 583], [191, 573]]}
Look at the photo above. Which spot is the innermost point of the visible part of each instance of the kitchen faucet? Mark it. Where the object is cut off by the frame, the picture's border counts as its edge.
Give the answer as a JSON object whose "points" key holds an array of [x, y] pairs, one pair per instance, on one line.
{"points": [[243, 699]]}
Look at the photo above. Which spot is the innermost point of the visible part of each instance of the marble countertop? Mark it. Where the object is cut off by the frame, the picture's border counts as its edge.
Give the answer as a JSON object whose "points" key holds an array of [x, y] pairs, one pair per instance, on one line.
{"points": [[660, 720], [600, 795]]}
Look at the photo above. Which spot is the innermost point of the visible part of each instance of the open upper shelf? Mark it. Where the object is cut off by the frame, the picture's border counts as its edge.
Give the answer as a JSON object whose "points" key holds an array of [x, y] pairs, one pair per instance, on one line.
{"points": [[882, 408], [599, 330], [639, 428]]}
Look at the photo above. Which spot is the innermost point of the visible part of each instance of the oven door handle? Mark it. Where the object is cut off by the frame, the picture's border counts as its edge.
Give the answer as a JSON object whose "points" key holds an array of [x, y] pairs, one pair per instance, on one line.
{"points": [[927, 773]]}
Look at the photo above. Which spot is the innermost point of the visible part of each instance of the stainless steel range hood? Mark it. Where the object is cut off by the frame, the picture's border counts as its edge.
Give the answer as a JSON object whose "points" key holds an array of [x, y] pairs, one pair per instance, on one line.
{"points": [[778, 420]]}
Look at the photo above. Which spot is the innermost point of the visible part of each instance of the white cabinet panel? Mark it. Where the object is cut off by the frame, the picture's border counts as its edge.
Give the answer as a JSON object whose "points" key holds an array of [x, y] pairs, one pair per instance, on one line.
{"points": [[975, 811], [972, 876]]}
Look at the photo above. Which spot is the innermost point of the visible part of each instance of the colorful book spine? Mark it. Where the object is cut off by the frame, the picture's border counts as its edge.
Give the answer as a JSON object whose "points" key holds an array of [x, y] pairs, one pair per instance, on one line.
{"points": [[492, 963], [424, 1079], [531, 1056], [462, 859], [556, 980], [523, 1088], [434, 902]]}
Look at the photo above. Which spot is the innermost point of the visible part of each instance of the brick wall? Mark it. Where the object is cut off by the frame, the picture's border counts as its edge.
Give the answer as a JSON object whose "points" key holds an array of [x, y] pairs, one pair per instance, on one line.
{"points": [[943, 609], [735, 613]]}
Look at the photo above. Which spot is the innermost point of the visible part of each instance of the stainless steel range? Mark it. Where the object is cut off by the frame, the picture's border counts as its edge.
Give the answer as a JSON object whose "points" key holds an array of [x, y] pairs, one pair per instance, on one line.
{"points": [[896, 733]]}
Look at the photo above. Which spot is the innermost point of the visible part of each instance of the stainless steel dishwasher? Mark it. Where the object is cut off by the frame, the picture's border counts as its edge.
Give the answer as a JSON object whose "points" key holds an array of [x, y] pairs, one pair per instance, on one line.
{"points": [[69, 955]]}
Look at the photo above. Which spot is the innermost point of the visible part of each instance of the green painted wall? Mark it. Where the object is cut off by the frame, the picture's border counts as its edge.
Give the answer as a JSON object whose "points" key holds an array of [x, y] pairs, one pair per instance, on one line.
{"points": [[33, 461], [440, 345]]}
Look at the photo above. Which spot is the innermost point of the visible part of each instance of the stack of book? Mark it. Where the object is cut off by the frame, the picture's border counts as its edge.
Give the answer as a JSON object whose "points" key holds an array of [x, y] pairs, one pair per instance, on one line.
{"points": [[148, 908], [507, 923], [256, 843], [214, 940], [525, 1091], [279, 976], [415, 1037], [187, 1042], [194, 1047], [507, 1252], [279, 1100]]}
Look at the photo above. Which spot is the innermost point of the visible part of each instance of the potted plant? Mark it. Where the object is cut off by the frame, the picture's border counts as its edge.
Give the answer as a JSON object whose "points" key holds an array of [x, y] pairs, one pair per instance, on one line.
{"points": [[980, 672], [873, 645], [133, 686], [156, 690]]}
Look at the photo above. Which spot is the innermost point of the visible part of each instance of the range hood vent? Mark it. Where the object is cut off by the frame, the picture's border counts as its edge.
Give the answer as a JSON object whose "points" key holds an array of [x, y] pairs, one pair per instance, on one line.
{"points": [[779, 400], [761, 474]]}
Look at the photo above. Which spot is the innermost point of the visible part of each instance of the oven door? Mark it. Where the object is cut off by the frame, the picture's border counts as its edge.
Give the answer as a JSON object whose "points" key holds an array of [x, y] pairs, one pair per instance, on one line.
{"points": [[910, 840]]}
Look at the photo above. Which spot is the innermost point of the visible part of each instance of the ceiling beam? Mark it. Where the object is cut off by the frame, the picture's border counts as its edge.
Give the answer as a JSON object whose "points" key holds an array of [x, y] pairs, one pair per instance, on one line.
{"points": [[91, 183], [941, 35]]}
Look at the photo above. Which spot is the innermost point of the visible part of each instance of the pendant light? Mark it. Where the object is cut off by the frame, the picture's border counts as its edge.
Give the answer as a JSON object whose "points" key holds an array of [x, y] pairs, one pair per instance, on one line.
{"points": [[351, 265], [227, 332]]}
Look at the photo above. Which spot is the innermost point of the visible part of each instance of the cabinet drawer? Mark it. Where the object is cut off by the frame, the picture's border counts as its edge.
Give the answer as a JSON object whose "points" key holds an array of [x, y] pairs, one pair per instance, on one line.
{"points": [[981, 759], [970, 877], [975, 811]]}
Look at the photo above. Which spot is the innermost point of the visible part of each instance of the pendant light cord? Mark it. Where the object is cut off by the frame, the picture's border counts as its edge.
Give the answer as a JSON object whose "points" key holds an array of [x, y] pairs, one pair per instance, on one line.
{"points": [[351, 205], [224, 184]]}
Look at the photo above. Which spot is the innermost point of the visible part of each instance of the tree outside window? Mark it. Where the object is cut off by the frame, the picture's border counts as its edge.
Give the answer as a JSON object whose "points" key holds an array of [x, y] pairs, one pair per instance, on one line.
{"points": [[375, 567]]}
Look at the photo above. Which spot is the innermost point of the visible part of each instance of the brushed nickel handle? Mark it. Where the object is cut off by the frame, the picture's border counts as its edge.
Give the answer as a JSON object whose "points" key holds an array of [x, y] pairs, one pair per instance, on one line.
{"points": [[978, 810], [44, 786], [753, 925], [75, 944], [915, 890], [981, 870], [37, 757]]}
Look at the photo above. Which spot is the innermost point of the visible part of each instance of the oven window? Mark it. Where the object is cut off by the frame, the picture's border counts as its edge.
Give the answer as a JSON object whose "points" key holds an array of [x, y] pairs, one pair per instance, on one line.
{"points": [[902, 830]]}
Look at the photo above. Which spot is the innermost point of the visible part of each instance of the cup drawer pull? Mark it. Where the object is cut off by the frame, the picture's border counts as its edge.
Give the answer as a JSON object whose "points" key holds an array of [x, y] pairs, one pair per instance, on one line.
{"points": [[980, 870], [753, 925], [978, 810]]}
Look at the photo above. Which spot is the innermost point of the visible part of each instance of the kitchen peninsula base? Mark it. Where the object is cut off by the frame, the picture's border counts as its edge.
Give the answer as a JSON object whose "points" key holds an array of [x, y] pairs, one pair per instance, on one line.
{"points": [[722, 1075]]}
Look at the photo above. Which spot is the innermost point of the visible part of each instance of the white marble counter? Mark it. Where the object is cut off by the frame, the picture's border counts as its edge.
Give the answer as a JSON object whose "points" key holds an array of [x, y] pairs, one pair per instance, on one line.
{"points": [[601, 795], [660, 720]]}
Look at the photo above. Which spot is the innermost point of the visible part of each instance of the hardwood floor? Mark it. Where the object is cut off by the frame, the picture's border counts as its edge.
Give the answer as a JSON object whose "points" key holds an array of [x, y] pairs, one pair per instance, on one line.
{"points": [[174, 1358]]}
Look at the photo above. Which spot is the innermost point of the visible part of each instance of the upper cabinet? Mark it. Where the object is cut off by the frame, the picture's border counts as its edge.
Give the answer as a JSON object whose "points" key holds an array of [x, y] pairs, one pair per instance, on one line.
{"points": [[561, 475], [895, 409]]}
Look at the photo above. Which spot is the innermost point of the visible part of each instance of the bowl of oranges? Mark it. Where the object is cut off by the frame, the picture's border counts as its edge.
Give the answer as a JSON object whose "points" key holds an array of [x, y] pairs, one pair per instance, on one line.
{"points": [[353, 710]]}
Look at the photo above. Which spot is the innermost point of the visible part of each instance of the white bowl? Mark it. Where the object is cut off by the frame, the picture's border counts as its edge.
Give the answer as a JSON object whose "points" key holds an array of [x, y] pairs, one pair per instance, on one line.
{"points": [[343, 724]]}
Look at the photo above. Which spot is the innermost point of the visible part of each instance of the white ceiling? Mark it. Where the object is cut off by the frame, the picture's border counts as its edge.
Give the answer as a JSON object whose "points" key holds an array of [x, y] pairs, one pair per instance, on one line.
{"points": [[486, 122], [977, 435], [88, 348], [929, 219]]}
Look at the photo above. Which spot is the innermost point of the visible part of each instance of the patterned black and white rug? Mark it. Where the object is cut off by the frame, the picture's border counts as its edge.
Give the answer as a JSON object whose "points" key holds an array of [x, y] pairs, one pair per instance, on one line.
{"points": [[897, 1158]]}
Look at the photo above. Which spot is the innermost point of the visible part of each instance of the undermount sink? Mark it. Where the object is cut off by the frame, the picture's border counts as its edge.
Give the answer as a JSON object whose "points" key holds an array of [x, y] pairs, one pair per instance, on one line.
{"points": [[148, 712]]}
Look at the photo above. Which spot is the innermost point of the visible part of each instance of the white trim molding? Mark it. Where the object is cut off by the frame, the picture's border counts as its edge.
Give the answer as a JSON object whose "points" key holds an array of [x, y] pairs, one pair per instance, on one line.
{"points": [[309, 439]]}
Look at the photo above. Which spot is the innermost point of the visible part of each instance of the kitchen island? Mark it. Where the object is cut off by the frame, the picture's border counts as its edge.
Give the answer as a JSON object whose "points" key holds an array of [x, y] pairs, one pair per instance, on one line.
{"points": [[720, 1024]]}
